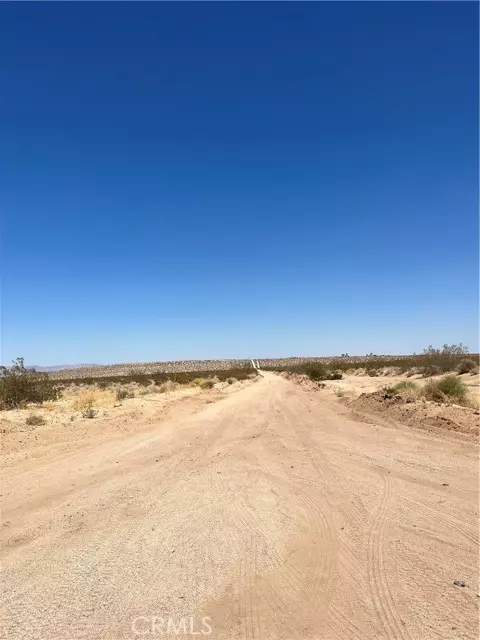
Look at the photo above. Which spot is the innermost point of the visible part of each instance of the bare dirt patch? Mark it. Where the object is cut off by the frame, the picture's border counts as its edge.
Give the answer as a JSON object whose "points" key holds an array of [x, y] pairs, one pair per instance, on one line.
{"points": [[419, 413], [65, 426]]}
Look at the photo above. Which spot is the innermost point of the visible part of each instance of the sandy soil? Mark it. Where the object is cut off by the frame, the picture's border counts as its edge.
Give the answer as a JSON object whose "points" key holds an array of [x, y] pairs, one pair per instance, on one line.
{"points": [[272, 511], [366, 398]]}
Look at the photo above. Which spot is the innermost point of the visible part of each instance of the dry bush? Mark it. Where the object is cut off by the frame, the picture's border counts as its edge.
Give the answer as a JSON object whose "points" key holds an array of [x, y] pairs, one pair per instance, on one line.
{"points": [[466, 365], [334, 375], [390, 371], [448, 388], [431, 370], [413, 371], [314, 370], [407, 389], [124, 394], [87, 398], [34, 420], [152, 388], [231, 380], [167, 386], [206, 383], [90, 413]]}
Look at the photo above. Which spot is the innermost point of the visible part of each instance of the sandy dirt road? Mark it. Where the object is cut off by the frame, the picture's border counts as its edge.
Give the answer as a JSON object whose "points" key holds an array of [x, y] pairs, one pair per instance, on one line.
{"points": [[273, 513]]}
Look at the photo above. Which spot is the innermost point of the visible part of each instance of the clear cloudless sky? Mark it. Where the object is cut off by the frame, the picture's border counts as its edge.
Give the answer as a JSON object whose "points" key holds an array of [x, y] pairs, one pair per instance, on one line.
{"points": [[189, 180]]}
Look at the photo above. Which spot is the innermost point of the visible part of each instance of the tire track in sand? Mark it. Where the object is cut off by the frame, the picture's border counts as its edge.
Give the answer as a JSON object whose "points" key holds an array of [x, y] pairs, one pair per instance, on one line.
{"points": [[383, 600]]}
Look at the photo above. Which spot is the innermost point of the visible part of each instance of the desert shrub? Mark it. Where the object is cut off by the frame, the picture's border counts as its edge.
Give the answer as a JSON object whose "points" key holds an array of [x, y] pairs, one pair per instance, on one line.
{"points": [[34, 420], [231, 380], [164, 387], [466, 365], [145, 391], [373, 373], [474, 372], [447, 388], [90, 413], [446, 358], [206, 384], [314, 371], [335, 375], [431, 370], [85, 400], [20, 386], [389, 391], [391, 371], [123, 394], [413, 371], [404, 385]]}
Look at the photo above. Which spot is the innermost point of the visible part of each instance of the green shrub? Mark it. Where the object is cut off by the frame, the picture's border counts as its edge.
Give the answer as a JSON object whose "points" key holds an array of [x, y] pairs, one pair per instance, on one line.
{"points": [[35, 420], [206, 384], [447, 388], [405, 385], [20, 386], [466, 365]]}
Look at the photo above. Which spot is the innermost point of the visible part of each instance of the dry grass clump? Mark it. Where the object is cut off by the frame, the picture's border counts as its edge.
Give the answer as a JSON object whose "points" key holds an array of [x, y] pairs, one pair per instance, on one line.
{"points": [[88, 398], [151, 388], [413, 371], [204, 383], [448, 389], [231, 380], [34, 420], [361, 371], [90, 413], [167, 386], [390, 371], [405, 385], [124, 394], [431, 370], [407, 389]]}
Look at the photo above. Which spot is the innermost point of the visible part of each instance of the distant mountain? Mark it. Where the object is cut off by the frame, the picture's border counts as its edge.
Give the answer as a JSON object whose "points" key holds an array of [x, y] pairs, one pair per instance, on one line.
{"points": [[59, 367]]}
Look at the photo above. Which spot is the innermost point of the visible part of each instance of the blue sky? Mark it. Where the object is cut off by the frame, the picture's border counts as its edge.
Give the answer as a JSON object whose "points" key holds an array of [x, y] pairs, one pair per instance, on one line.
{"points": [[237, 179]]}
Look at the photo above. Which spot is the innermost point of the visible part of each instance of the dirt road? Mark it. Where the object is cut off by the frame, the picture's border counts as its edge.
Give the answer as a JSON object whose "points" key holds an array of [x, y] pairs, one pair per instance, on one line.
{"points": [[273, 513]]}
